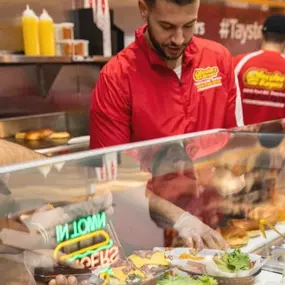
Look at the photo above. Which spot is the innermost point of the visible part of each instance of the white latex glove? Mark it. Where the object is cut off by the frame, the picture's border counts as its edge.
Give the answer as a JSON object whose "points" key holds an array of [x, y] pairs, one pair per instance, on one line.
{"points": [[198, 235]]}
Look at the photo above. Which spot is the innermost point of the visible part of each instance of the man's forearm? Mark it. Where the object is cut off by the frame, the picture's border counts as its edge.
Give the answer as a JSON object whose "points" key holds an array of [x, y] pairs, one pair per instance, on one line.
{"points": [[164, 209]]}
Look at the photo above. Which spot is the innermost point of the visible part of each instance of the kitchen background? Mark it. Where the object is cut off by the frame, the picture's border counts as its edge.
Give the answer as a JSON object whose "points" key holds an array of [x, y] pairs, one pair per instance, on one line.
{"points": [[68, 87]]}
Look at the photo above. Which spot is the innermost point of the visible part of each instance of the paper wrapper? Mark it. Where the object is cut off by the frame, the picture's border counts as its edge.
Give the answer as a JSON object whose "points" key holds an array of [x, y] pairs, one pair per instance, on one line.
{"points": [[207, 266]]}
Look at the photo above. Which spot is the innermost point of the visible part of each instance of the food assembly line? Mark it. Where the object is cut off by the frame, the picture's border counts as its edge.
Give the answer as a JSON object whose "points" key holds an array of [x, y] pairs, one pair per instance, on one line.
{"points": [[92, 212]]}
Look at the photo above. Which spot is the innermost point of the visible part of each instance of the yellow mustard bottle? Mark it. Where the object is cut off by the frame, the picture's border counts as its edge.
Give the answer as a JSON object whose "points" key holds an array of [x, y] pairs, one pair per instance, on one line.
{"points": [[30, 26], [46, 32]]}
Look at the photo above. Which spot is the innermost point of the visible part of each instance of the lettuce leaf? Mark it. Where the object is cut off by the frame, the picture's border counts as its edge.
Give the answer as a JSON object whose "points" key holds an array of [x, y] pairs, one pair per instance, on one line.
{"points": [[222, 264], [207, 280], [238, 260], [233, 262]]}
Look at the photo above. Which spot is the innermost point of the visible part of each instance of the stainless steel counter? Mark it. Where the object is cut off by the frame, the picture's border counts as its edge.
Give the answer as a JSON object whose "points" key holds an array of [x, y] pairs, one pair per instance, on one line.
{"points": [[63, 148]]}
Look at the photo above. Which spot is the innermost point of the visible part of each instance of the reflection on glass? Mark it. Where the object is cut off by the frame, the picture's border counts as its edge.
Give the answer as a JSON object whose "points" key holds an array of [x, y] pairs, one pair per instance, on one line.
{"points": [[116, 214]]}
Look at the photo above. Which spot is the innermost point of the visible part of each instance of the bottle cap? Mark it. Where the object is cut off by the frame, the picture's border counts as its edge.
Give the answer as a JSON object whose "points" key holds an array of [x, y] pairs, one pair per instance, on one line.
{"points": [[29, 12], [45, 16]]}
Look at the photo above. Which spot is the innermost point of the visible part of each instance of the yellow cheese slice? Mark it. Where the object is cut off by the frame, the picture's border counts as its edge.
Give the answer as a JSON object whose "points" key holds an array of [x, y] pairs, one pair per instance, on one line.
{"points": [[157, 258]]}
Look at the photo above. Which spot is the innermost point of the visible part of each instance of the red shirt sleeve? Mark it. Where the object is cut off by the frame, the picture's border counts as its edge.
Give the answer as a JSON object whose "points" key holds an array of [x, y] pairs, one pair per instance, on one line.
{"points": [[110, 113], [232, 117]]}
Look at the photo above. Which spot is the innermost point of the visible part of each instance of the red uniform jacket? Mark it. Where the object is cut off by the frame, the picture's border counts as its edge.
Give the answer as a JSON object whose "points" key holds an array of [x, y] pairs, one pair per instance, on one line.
{"points": [[261, 86], [137, 97]]}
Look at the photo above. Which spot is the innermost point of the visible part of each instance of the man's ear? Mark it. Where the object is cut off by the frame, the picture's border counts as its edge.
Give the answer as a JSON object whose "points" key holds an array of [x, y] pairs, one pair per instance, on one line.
{"points": [[143, 9]]}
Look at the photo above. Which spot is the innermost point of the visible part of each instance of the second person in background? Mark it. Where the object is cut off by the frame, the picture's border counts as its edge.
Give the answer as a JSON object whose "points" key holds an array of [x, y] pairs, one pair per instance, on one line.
{"points": [[261, 75]]}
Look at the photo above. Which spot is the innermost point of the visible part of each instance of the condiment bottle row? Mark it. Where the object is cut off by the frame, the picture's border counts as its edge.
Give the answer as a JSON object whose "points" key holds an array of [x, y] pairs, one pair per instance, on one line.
{"points": [[43, 37]]}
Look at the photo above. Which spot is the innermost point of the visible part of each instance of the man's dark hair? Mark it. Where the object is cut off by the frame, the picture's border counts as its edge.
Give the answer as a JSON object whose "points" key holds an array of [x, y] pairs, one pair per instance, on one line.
{"points": [[274, 29], [178, 2]]}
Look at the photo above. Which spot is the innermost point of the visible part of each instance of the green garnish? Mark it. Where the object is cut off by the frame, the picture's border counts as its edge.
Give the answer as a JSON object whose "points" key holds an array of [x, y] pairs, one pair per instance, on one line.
{"points": [[207, 280], [233, 262], [179, 280]]}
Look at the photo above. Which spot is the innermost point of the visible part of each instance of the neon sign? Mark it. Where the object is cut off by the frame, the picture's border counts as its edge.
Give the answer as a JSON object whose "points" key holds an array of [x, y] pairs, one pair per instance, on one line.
{"points": [[102, 253]]}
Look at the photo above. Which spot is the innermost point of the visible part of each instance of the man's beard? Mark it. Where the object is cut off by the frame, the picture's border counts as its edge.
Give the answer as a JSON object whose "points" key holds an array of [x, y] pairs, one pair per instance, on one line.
{"points": [[156, 45]]}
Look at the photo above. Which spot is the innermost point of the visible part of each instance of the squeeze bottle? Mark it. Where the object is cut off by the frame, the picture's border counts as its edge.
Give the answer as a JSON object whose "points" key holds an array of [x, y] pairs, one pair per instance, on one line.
{"points": [[46, 32], [30, 25]]}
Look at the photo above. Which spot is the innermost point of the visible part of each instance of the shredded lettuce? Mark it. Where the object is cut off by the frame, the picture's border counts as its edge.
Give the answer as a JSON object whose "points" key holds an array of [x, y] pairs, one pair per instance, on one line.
{"points": [[179, 280], [233, 262], [207, 280]]}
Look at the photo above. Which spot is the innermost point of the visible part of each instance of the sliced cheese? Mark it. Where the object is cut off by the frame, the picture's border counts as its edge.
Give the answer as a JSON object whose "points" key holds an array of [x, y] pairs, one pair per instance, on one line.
{"points": [[157, 258]]}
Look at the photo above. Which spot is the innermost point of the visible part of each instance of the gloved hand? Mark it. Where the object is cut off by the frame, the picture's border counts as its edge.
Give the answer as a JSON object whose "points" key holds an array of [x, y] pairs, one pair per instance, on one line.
{"points": [[198, 235]]}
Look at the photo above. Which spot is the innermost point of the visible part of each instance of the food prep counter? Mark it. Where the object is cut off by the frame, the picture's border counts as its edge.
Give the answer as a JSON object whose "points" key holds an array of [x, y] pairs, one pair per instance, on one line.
{"points": [[141, 220], [71, 127]]}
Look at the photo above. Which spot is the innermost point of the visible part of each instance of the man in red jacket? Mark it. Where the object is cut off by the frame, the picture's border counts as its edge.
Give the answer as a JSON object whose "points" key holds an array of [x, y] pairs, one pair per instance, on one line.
{"points": [[261, 75], [166, 83]]}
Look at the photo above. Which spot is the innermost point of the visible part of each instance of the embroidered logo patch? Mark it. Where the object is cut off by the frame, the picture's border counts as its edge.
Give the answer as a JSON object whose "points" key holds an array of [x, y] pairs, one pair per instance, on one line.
{"points": [[263, 79], [206, 78]]}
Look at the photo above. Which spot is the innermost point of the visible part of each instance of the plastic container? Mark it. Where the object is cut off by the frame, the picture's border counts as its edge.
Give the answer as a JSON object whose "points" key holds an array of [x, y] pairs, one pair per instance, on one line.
{"points": [[46, 32], [81, 48], [64, 31], [30, 26], [78, 48], [65, 48]]}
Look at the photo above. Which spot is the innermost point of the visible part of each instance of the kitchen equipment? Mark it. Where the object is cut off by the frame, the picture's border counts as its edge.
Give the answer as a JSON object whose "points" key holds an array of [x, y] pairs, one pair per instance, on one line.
{"points": [[276, 262], [86, 29], [76, 123], [84, 139]]}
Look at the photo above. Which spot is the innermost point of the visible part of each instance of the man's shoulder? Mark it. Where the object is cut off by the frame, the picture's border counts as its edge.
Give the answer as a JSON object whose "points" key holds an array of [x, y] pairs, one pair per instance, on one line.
{"points": [[205, 45], [257, 59], [238, 58], [248, 56], [123, 61]]}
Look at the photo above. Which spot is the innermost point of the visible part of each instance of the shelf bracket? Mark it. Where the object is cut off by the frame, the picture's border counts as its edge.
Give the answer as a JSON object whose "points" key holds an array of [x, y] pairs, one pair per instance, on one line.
{"points": [[46, 75]]}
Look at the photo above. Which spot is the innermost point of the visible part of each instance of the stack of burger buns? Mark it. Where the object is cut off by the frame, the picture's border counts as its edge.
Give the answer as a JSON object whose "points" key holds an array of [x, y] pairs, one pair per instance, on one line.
{"points": [[41, 134]]}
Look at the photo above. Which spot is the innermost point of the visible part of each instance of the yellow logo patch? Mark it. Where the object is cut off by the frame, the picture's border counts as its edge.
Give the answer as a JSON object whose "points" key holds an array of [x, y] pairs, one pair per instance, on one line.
{"points": [[261, 78], [206, 78], [201, 74]]}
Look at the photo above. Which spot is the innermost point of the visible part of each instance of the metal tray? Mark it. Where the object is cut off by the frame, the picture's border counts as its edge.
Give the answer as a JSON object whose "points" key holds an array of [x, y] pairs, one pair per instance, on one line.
{"points": [[250, 280], [40, 144]]}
